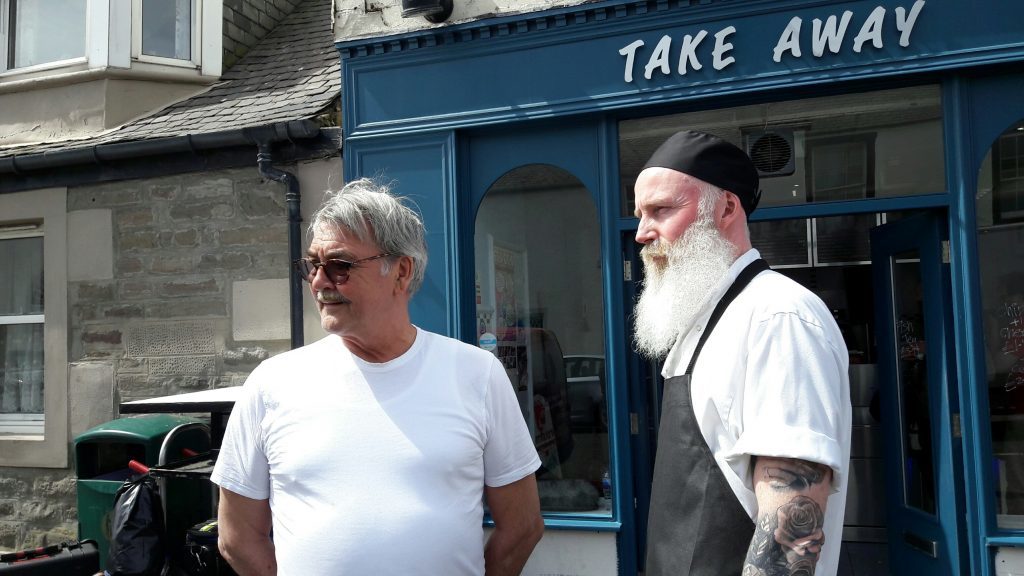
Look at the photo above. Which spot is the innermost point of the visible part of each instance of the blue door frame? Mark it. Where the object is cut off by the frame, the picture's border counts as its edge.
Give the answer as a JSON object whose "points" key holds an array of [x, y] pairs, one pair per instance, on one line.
{"points": [[919, 400], [982, 107], [584, 148]]}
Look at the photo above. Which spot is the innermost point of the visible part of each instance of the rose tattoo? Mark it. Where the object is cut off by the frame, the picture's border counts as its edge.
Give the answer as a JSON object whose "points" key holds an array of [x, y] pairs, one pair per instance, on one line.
{"points": [[799, 526]]}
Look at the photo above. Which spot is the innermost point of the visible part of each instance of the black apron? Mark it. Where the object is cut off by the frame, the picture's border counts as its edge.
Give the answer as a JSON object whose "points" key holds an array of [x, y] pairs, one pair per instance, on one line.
{"points": [[696, 526]]}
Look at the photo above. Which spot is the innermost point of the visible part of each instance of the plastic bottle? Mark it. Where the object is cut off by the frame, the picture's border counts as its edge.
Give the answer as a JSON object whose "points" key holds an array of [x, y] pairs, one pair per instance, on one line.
{"points": [[606, 486]]}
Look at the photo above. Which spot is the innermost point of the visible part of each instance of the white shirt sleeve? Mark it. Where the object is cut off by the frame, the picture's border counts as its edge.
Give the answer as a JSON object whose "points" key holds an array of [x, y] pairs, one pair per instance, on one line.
{"points": [[242, 463], [792, 406], [509, 453]]}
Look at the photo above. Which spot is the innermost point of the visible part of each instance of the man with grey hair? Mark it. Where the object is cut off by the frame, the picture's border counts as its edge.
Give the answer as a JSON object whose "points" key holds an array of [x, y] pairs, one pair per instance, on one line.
{"points": [[754, 442], [370, 451]]}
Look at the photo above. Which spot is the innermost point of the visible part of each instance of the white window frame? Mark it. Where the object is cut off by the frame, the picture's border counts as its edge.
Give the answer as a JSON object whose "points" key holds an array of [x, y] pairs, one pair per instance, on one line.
{"points": [[5, 43], [196, 60], [22, 424], [5, 32], [48, 208]]}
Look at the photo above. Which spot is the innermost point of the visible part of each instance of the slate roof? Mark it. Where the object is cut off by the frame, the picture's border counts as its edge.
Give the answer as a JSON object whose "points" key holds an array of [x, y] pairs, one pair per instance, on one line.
{"points": [[292, 74]]}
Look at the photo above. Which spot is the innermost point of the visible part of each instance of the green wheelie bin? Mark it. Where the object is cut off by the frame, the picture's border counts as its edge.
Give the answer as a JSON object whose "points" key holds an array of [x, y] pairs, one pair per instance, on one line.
{"points": [[101, 464]]}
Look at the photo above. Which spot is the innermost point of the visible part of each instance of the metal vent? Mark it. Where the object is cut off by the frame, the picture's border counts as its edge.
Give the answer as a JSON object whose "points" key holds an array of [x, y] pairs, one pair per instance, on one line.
{"points": [[772, 152]]}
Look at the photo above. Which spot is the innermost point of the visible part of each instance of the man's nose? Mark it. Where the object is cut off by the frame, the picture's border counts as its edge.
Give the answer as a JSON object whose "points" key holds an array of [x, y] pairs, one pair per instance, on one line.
{"points": [[320, 279], [645, 234]]}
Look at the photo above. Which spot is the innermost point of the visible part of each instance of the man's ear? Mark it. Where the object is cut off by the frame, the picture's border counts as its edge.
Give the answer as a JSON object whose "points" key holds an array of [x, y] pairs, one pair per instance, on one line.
{"points": [[404, 277], [733, 208]]}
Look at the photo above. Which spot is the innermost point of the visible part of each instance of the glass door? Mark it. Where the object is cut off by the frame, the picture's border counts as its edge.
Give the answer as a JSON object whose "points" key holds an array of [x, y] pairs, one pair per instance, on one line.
{"points": [[920, 417]]}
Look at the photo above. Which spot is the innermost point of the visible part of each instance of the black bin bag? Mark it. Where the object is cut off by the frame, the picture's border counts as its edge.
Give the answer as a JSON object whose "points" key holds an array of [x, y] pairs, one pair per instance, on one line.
{"points": [[137, 530]]}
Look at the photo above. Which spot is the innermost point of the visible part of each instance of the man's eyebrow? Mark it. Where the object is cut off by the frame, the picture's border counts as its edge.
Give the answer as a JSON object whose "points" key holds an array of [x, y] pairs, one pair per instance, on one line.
{"points": [[338, 255]]}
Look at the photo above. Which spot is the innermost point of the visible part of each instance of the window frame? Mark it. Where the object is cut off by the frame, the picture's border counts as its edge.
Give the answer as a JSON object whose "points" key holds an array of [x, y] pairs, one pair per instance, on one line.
{"points": [[27, 424], [196, 49], [48, 208], [7, 48]]}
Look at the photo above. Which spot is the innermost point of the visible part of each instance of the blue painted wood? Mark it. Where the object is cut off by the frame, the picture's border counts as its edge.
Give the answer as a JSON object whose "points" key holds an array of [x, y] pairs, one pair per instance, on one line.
{"points": [[982, 108], [567, 61], [921, 235], [420, 167], [629, 488]]}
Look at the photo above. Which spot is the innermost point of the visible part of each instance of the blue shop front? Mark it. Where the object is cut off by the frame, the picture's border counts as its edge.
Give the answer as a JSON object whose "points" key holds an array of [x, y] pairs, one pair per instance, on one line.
{"points": [[889, 137]]}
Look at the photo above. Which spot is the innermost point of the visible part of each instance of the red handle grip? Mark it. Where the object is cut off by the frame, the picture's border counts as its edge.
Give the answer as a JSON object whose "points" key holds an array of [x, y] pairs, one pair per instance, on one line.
{"points": [[138, 467], [188, 452]]}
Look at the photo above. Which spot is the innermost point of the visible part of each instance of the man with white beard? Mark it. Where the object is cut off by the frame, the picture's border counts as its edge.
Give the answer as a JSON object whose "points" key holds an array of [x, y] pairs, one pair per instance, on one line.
{"points": [[754, 445]]}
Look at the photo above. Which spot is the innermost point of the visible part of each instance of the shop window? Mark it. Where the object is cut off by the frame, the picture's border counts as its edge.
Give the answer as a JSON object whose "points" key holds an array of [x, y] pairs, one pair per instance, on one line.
{"points": [[1000, 216], [809, 242], [1008, 173], [783, 243], [539, 309], [33, 32], [841, 168], [817, 149], [33, 329]]}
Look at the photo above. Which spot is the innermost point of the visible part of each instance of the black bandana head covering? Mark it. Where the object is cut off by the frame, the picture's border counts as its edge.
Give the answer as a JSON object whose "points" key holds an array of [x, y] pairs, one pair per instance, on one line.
{"points": [[713, 160]]}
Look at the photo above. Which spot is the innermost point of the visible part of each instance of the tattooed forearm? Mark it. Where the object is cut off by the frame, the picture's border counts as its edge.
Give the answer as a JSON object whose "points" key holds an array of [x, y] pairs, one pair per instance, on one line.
{"points": [[788, 541], [791, 499], [796, 475]]}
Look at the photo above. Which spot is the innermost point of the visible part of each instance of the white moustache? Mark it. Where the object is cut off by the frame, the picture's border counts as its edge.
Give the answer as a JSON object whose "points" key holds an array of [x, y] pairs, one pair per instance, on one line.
{"points": [[330, 297]]}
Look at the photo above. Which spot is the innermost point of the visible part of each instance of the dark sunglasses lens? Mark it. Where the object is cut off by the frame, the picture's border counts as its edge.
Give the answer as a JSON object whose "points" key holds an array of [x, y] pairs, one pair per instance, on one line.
{"points": [[337, 270], [305, 269]]}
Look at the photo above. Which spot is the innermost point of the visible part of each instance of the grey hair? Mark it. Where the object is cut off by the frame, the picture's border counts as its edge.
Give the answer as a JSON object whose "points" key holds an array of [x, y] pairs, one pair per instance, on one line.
{"points": [[709, 197], [368, 209]]}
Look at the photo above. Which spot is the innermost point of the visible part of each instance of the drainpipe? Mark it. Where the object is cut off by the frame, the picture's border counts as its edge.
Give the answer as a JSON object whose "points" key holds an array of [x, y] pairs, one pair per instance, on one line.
{"points": [[264, 158]]}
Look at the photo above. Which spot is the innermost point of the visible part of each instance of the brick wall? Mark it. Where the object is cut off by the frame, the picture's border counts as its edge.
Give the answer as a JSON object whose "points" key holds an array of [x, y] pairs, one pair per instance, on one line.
{"points": [[162, 323], [247, 21]]}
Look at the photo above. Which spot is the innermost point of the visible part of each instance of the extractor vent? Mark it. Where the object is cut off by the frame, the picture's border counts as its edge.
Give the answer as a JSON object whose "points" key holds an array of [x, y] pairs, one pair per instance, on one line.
{"points": [[772, 152]]}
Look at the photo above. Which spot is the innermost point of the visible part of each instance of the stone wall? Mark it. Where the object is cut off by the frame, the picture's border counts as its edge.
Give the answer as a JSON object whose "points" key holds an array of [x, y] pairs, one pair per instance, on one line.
{"points": [[155, 314], [180, 244], [248, 21], [37, 508]]}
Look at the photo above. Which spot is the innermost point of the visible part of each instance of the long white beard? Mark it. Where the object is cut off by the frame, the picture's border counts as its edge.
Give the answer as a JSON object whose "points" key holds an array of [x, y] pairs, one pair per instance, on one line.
{"points": [[677, 289]]}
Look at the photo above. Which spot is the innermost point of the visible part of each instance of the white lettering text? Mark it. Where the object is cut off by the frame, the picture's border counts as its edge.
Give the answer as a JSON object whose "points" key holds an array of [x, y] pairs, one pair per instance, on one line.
{"points": [[905, 23], [871, 30], [789, 40], [829, 34], [629, 51], [721, 47], [688, 53], [660, 58]]}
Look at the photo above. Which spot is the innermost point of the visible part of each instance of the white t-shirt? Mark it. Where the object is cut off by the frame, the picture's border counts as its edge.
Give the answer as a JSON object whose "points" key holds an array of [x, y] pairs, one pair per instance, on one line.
{"points": [[376, 468], [772, 380]]}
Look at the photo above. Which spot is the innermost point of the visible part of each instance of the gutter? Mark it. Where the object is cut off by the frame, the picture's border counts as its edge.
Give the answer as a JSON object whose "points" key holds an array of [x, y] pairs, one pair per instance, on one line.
{"points": [[263, 137], [265, 159], [116, 151]]}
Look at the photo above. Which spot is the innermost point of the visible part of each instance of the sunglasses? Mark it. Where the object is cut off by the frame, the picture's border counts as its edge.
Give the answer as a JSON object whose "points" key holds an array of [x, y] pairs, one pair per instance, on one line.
{"points": [[337, 270]]}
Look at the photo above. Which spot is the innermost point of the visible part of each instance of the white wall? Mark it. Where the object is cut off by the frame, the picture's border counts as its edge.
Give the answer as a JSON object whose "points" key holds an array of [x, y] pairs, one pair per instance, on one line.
{"points": [[1010, 562], [315, 177], [573, 553], [368, 18]]}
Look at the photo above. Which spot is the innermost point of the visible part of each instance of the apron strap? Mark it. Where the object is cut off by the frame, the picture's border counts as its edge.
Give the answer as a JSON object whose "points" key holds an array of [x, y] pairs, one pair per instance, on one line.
{"points": [[744, 278]]}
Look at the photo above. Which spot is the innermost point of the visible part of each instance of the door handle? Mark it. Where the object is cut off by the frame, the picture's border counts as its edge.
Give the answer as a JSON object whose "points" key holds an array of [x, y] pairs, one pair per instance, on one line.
{"points": [[929, 547]]}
